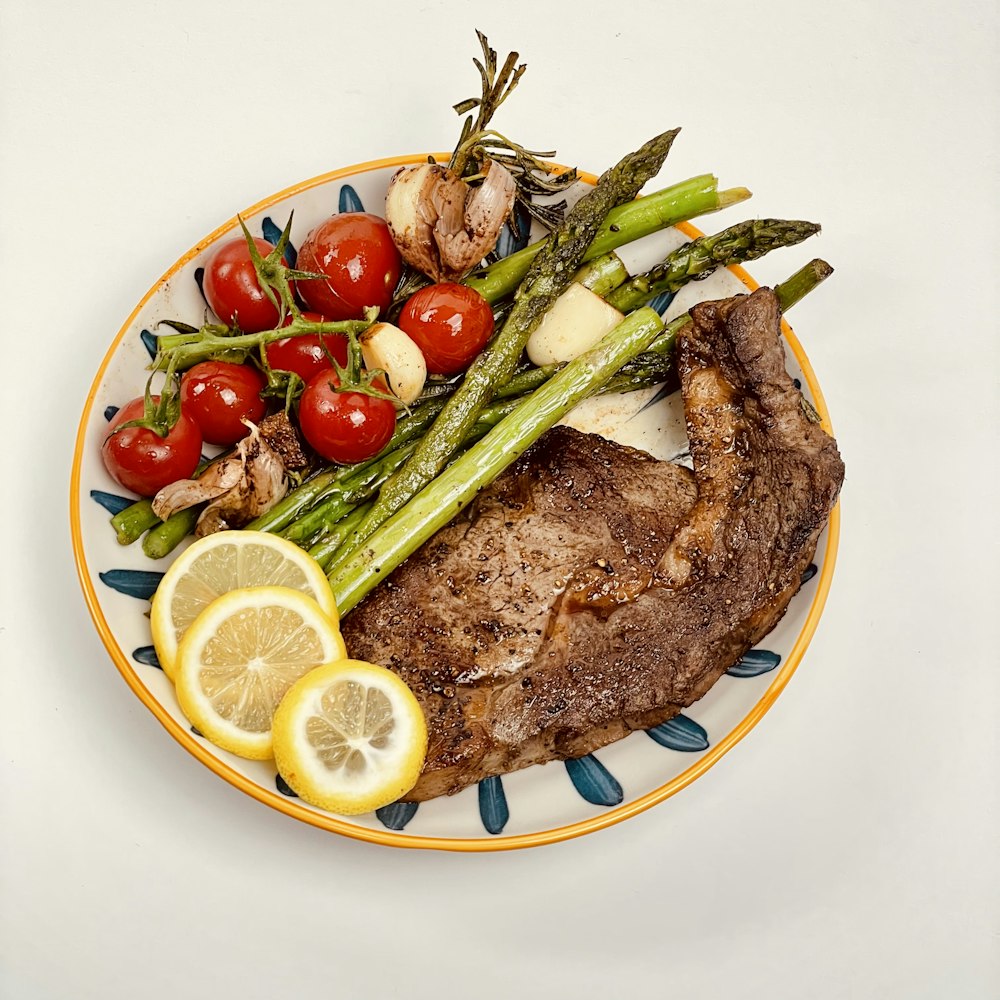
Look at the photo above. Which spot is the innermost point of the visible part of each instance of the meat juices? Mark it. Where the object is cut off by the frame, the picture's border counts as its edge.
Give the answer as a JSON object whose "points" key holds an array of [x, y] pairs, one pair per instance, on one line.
{"points": [[592, 590]]}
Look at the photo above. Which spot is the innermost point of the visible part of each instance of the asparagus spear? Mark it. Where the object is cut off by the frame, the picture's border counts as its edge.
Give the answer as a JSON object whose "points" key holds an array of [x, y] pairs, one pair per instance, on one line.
{"points": [[324, 549], [697, 259], [625, 223], [548, 275], [349, 492], [399, 537], [164, 537], [130, 523]]}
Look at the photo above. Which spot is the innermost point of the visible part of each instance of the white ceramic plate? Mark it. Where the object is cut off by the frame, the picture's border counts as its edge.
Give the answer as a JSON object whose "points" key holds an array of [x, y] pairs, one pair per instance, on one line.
{"points": [[534, 806]]}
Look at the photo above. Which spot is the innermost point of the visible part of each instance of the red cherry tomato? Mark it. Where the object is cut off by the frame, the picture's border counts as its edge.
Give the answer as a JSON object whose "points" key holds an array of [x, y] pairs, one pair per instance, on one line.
{"points": [[344, 427], [231, 288], [362, 264], [305, 355], [143, 462], [217, 395], [450, 323]]}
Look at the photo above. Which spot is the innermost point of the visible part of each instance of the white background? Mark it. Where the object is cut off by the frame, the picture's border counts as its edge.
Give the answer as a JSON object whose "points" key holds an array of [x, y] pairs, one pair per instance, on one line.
{"points": [[849, 846]]}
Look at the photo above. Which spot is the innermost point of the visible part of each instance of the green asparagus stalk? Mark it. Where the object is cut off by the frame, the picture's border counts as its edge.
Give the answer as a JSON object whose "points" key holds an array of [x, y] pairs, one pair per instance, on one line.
{"points": [[350, 491], [164, 537], [549, 273], [800, 284], [743, 242], [324, 550], [603, 274], [130, 523], [625, 223]]}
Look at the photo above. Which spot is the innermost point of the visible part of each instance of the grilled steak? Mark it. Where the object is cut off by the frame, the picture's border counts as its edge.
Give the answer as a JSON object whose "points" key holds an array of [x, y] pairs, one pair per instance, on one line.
{"points": [[592, 590]]}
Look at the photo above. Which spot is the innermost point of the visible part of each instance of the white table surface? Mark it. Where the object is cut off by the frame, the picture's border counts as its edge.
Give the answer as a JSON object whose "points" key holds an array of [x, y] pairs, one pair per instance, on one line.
{"points": [[849, 846]]}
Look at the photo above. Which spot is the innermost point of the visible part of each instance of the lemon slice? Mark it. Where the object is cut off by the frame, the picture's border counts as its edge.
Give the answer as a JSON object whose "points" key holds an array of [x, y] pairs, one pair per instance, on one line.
{"points": [[350, 737], [221, 562], [240, 656]]}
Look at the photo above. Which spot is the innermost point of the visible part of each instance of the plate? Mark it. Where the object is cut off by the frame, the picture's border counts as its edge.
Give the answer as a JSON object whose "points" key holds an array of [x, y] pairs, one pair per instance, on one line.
{"points": [[538, 805]]}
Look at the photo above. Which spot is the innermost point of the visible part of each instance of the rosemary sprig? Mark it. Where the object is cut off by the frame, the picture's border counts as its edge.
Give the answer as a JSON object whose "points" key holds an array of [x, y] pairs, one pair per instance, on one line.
{"points": [[478, 144]]}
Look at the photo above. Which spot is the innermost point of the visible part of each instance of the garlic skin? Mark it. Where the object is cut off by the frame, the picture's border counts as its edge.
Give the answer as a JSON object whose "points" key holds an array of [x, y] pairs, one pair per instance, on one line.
{"points": [[240, 486], [441, 225], [386, 346]]}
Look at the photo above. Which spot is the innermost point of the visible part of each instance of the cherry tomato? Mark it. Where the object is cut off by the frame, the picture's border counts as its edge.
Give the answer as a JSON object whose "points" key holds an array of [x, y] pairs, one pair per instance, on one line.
{"points": [[344, 427], [143, 462], [231, 288], [450, 323], [305, 355], [362, 264], [217, 395]]}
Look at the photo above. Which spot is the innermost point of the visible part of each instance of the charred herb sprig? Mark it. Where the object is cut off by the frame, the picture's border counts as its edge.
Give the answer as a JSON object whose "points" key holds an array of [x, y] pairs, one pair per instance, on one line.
{"points": [[478, 143]]}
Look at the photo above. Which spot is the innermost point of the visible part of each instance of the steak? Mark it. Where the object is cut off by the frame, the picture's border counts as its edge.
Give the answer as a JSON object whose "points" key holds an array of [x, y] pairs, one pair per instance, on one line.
{"points": [[592, 590]]}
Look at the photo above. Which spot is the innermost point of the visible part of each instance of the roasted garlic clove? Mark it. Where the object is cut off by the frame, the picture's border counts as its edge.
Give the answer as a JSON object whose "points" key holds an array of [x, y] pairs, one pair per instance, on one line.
{"points": [[386, 347], [240, 487], [441, 225]]}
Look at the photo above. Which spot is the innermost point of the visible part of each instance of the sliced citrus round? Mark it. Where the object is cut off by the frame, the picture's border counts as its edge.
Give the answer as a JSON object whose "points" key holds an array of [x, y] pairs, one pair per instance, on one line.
{"points": [[224, 561], [350, 737], [240, 656]]}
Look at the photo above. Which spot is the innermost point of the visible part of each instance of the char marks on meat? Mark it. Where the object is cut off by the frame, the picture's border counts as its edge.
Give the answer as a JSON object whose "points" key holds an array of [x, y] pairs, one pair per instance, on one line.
{"points": [[591, 590]]}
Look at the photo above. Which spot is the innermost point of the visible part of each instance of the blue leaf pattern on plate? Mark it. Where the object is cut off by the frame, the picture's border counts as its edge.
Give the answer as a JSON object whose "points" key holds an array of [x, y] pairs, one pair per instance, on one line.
{"points": [[396, 815], [272, 233], [661, 302], [109, 412], [507, 242], [146, 655], [809, 572], [594, 781], [111, 502], [139, 583], [349, 200], [199, 280], [149, 342], [755, 663], [680, 733], [284, 787], [661, 394], [493, 804]]}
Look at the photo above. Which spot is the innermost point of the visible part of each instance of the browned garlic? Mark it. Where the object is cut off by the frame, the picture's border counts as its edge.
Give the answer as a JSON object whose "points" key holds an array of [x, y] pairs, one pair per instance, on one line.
{"points": [[441, 225], [240, 486]]}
